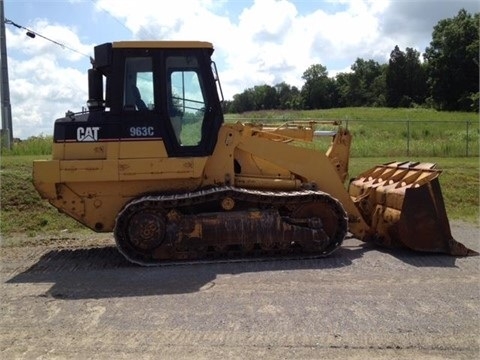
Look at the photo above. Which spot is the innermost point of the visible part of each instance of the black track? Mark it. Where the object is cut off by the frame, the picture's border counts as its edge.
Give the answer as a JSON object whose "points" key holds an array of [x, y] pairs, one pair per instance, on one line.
{"points": [[203, 203]]}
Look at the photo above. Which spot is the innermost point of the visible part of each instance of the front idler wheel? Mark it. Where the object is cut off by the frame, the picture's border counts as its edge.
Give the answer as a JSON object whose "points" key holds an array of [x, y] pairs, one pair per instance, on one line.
{"points": [[328, 218]]}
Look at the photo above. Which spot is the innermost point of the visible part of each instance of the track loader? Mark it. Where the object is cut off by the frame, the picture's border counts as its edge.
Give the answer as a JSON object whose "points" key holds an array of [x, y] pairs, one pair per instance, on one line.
{"points": [[153, 161]]}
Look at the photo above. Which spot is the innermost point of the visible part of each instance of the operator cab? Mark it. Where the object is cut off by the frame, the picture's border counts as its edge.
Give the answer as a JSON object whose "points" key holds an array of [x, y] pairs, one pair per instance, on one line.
{"points": [[153, 90]]}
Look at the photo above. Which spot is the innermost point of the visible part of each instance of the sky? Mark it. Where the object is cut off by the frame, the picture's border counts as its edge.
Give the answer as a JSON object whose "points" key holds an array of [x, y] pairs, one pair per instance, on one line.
{"points": [[256, 42]]}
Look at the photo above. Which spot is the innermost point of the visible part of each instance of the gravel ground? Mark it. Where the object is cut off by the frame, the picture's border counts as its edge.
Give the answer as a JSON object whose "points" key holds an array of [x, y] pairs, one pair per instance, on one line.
{"points": [[80, 299]]}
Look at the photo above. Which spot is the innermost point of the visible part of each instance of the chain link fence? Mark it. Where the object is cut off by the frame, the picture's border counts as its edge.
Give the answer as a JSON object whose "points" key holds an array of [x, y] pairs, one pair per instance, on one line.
{"points": [[414, 138], [389, 138]]}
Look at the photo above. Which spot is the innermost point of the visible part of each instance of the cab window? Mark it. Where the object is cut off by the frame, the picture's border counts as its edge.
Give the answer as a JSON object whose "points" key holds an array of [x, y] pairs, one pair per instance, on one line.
{"points": [[186, 99], [138, 84]]}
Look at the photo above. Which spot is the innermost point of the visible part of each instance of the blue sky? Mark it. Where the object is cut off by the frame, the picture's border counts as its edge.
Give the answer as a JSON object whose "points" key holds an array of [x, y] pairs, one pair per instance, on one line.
{"points": [[256, 41]]}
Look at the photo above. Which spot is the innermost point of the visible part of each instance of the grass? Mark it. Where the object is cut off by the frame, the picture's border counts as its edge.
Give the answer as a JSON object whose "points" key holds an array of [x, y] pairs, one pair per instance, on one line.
{"points": [[35, 145], [22, 209], [375, 142], [361, 113]]}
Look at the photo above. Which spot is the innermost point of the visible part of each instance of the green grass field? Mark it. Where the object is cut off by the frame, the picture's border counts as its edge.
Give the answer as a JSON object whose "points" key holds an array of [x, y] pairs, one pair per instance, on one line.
{"points": [[375, 142]]}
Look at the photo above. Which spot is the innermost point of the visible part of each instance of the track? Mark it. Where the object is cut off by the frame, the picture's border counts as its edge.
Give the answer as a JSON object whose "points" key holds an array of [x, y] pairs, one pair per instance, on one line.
{"points": [[229, 223]]}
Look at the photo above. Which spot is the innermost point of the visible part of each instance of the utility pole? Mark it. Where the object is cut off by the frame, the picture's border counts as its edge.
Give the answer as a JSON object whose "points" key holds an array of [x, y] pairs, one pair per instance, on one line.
{"points": [[7, 130]]}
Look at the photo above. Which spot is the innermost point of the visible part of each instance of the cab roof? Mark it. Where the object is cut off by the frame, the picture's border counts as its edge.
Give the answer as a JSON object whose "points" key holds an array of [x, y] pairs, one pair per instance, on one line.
{"points": [[163, 44]]}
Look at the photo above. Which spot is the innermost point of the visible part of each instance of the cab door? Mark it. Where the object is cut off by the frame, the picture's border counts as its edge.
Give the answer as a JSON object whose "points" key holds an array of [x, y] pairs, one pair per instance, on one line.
{"points": [[191, 102], [141, 113]]}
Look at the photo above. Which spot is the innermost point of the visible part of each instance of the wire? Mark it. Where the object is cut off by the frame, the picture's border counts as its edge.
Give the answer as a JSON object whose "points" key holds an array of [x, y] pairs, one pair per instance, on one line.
{"points": [[110, 14], [118, 21], [32, 34]]}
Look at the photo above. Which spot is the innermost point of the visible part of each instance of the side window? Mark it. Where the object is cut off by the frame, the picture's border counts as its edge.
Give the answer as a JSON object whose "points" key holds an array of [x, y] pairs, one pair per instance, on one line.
{"points": [[138, 84], [186, 100]]}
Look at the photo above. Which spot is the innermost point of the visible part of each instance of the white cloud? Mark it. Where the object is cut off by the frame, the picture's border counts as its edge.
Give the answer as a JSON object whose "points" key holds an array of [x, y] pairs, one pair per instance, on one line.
{"points": [[276, 43]]}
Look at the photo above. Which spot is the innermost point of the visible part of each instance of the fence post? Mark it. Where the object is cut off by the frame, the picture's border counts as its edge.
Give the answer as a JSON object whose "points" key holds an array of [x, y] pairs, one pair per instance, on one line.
{"points": [[466, 142], [408, 137]]}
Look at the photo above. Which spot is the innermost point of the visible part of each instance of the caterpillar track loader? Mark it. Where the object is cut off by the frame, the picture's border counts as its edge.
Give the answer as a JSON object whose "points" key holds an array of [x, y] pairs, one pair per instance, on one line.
{"points": [[153, 161]]}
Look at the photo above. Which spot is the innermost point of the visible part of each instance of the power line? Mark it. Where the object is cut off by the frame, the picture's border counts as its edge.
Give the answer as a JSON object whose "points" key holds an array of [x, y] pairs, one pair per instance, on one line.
{"points": [[110, 14], [33, 34], [120, 22]]}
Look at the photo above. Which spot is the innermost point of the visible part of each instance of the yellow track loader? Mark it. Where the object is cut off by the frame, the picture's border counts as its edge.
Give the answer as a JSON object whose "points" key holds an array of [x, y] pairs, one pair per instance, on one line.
{"points": [[153, 161]]}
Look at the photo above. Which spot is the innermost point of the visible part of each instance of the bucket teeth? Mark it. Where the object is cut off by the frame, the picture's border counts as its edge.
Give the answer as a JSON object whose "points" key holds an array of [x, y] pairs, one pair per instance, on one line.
{"points": [[403, 203]]}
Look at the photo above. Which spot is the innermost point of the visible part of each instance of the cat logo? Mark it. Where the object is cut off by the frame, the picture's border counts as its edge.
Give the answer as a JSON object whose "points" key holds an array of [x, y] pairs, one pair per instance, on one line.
{"points": [[88, 134]]}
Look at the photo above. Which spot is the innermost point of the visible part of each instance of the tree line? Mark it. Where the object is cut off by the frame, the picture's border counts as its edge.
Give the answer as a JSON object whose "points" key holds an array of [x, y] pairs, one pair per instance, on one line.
{"points": [[446, 79]]}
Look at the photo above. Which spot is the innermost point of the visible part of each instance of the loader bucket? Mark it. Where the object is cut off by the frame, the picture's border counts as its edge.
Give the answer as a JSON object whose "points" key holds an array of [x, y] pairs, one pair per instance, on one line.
{"points": [[403, 204]]}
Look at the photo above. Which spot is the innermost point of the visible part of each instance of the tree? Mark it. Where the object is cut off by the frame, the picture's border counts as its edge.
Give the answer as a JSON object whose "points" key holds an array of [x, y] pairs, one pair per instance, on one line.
{"points": [[242, 102], [260, 97], [318, 91], [364, 86], [265, 97], [405, 78], [396, 77], [288, 97], [416, 87], [452, 62]]}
